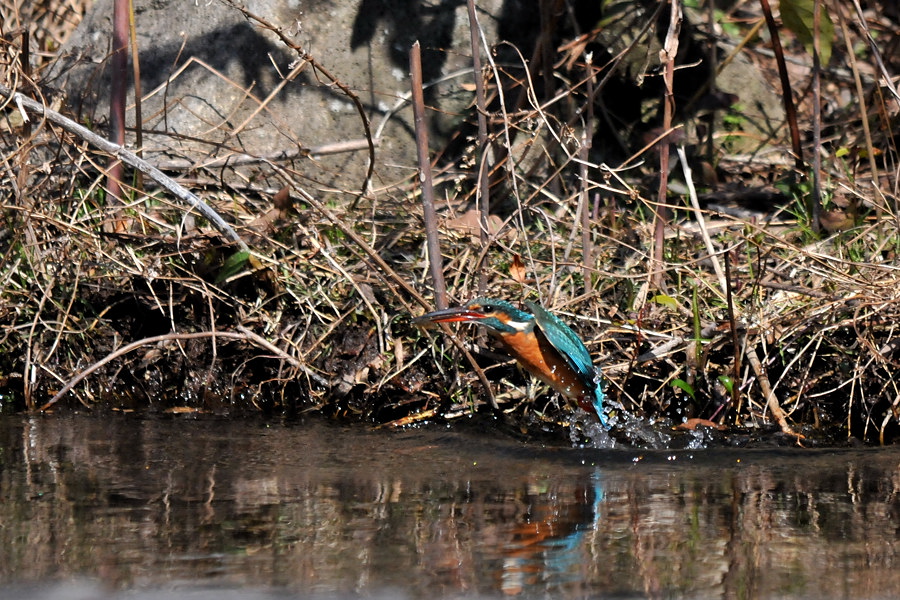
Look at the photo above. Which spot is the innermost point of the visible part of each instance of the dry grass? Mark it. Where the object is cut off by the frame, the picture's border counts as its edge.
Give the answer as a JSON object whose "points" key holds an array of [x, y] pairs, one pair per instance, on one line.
{"points": [[757, 320]]}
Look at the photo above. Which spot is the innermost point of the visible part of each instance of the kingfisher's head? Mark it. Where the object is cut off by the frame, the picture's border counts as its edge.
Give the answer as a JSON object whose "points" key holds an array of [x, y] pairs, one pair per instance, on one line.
{"points": [[498, 316]]}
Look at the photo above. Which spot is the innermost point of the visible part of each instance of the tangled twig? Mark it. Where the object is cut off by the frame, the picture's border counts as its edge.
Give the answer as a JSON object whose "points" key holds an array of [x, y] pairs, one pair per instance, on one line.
{"points": [[128, 158]]}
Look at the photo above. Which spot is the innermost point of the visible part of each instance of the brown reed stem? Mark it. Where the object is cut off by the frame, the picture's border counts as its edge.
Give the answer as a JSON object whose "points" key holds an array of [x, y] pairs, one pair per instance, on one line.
{"points": [[117, 94], [483, 193], [435, 259], [790, 111], [661, 220]]}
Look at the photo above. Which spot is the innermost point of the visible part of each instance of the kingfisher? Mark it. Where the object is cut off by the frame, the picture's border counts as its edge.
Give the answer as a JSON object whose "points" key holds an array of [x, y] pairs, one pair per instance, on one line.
{"points": [[540, 342]]}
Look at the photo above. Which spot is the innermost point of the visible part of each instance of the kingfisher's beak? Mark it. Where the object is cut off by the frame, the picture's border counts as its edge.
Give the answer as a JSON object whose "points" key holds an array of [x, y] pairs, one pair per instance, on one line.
{"points": [[448, 315]]}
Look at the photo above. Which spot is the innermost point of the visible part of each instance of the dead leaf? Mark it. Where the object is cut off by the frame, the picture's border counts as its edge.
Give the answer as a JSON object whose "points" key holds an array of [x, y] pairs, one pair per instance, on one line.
{"points": [[411, 419], [692, 424], [517, 269], [469, 223], [282, 199], [183, 410]]}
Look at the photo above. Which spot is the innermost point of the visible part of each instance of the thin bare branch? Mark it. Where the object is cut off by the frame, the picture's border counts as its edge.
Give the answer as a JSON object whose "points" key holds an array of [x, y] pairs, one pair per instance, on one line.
{"points": [[131, 159]]}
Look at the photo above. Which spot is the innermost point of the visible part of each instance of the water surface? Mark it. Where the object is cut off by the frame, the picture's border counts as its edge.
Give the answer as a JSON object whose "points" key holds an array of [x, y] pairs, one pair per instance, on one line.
{"points": [[162, 507]]}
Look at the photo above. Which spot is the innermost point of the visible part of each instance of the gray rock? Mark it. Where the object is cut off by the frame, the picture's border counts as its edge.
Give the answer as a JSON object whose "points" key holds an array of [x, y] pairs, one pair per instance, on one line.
{"points": [[214, 83]]}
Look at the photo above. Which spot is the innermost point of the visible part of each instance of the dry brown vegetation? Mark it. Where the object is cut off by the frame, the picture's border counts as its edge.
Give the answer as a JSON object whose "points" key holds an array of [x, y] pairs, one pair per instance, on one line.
{"points": [[749, 311]]}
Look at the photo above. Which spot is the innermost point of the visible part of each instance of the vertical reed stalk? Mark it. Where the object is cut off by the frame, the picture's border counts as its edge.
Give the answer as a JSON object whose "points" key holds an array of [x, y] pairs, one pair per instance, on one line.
{"points": [[483, 193], [436, 262]]}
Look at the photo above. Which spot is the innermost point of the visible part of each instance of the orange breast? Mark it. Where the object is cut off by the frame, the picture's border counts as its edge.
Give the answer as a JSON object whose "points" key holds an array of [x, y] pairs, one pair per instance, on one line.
{"points": [[543, 361]]}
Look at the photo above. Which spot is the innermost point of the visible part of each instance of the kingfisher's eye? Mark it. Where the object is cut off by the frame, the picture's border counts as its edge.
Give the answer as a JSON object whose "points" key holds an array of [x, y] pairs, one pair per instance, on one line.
{"points": [[487, 308]]}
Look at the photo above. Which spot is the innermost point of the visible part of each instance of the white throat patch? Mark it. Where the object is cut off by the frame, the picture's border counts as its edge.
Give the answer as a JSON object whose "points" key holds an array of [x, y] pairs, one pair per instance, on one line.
{"points": [[518, 325]]}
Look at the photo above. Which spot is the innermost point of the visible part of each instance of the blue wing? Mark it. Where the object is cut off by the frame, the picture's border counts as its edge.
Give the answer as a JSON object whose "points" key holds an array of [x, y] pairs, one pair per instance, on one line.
{"points": [[573, 349]]}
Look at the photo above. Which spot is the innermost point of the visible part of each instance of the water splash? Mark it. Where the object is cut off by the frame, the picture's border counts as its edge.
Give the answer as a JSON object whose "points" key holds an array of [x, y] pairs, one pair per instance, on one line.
{"points": [[590, 434]]}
